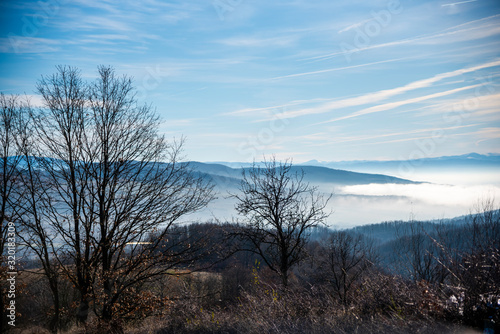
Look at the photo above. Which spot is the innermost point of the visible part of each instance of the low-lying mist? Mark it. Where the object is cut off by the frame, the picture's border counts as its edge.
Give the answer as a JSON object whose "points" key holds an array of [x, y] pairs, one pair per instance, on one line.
{"points": [[353, 205], [372, 203]]}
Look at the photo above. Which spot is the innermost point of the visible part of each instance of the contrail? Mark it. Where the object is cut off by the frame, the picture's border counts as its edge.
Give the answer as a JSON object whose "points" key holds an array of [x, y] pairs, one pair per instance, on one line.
{"points": [[457, 3]]}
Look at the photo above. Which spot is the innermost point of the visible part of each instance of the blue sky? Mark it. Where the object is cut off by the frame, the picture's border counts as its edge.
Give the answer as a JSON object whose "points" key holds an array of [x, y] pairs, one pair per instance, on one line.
{"points": [[302, 79]]}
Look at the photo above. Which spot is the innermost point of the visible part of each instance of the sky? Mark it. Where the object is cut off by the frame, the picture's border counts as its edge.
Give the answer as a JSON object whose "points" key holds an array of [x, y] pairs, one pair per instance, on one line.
{"points": [[301, 79]]}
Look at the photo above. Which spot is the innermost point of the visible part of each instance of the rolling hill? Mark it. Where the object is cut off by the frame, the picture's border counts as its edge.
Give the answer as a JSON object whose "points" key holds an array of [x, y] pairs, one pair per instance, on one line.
{"points": [[228, 176]]}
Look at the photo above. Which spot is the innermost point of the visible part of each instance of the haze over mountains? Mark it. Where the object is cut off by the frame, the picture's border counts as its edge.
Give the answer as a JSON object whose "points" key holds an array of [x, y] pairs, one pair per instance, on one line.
{"points": [[411, 169], [464, 159], [466, 162], [374, 191], [444, 187]]}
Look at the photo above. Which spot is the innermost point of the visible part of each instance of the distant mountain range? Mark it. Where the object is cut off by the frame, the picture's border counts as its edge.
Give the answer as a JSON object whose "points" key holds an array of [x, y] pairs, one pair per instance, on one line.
{"points": [[457, 161], [394, 167], [363, 197], [228, 176]]}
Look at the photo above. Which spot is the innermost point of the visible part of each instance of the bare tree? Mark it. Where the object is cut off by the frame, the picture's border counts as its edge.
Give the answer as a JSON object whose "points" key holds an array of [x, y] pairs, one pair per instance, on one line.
{"points": [[417, 254], [33, 198], [473, 263], [280, 209], [11, 109], [60, 129], [111, 183], [342, 260], [484, 226]]}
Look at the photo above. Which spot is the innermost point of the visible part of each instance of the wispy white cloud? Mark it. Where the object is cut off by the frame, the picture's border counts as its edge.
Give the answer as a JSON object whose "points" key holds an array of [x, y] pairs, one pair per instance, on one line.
{"points": [[273, 109], [36, 101], [488, 133], [355, 25], [340, 68], [415, 139], [479, 105], [32, 99], [388, 93], [471, 33], [178, 122], [176, 17], [457, 3], [393, 105], [247, 111], [385, 94], [102, 5], [22, 44], [111, 24], [97, 50], [325, 139], [258, 41], [113, 37], [463, 35], [134, 12]]}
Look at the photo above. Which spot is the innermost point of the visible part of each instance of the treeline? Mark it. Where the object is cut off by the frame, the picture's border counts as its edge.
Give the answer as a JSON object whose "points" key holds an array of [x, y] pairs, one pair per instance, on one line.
{"points": [[98, 198], [346, 282]]}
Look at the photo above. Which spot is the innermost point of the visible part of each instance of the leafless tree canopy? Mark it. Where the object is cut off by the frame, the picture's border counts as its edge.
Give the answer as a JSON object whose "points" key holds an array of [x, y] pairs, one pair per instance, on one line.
{"points": [[12, 110], [342, 261], [280, 209], [417, 255], [109, 182]]}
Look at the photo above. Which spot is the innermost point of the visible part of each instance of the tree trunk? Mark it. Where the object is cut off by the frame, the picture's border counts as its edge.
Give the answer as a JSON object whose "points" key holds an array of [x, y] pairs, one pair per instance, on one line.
{"points": [[82, 312]]}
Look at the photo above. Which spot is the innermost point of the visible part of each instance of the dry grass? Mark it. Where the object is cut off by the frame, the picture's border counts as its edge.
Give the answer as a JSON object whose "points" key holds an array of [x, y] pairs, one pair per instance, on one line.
{"points": [[384, 305]]}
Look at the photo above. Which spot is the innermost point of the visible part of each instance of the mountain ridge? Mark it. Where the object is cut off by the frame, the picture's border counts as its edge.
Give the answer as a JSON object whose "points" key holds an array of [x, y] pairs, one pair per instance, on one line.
{"points": [[488, 157], [313, 174], [476, 157]]}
